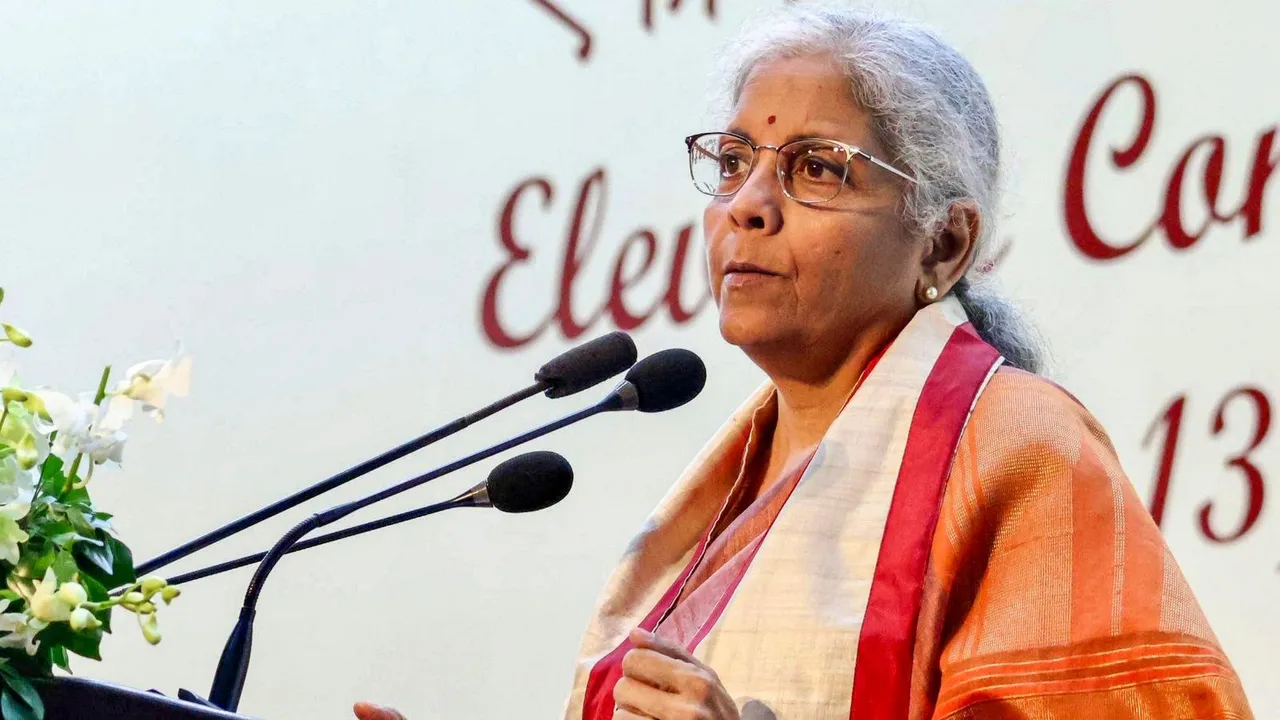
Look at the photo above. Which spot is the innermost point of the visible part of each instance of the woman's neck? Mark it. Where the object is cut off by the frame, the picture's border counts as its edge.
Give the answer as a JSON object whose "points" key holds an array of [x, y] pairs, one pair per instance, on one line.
{"points": [[811, 393]]}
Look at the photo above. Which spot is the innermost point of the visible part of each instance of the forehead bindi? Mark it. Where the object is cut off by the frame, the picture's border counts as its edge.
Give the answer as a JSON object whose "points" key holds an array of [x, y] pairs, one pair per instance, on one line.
{"points": [[800, 96]]}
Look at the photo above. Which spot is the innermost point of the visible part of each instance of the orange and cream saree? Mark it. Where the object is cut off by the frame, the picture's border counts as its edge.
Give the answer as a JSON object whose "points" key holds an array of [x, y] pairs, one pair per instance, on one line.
{"points": [[962, 544]]}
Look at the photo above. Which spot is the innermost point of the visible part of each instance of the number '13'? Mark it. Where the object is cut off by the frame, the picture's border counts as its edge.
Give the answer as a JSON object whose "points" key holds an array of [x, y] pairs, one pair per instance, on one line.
{"points": [[1242, 462]]}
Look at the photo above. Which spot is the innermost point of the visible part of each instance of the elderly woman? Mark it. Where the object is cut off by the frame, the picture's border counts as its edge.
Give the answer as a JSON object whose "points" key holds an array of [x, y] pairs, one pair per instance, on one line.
{"points": [[905, 521]]}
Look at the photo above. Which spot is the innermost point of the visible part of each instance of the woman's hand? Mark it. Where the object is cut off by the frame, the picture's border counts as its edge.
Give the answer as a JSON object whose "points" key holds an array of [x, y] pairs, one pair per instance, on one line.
{"points": [[660, 680], [368, 711]]}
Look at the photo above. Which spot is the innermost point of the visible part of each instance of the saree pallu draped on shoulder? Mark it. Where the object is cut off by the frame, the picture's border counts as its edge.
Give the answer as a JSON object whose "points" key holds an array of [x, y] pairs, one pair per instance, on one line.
{"points": [[868, 595]]}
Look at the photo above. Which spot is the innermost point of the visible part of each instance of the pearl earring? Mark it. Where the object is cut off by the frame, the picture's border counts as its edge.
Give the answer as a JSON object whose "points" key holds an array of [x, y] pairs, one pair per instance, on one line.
{"points": [[931, 293]]}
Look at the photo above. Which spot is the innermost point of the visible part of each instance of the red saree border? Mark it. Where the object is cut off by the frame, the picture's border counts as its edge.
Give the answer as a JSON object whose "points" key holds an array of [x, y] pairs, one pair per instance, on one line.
{"points": [[882, 673], [598, 699]]}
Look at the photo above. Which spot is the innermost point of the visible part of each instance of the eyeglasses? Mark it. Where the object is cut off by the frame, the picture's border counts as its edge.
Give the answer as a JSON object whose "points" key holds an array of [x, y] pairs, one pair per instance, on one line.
{"points": [[811, 171]]}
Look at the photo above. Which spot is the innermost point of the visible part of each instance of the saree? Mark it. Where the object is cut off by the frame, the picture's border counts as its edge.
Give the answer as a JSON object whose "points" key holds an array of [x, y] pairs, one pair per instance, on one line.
{"points": [[962, 545]]}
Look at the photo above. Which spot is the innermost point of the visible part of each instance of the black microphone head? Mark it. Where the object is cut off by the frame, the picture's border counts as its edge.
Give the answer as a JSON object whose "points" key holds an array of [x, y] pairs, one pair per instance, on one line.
{"points": [[529, 482], [667, 379], [587, 365]]}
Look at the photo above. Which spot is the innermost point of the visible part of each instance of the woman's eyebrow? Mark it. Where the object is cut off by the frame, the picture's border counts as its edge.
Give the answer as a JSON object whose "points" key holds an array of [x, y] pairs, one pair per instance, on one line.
{"points": [[790, 138]]}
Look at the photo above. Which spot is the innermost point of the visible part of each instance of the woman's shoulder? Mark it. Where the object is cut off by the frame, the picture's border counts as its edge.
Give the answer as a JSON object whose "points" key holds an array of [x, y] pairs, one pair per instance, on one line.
{"points": [[1021, 408], [1029, 435]]}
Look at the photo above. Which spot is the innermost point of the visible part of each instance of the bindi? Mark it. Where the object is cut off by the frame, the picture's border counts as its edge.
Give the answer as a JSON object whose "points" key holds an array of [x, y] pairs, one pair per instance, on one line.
{"points": [[773, 119]]}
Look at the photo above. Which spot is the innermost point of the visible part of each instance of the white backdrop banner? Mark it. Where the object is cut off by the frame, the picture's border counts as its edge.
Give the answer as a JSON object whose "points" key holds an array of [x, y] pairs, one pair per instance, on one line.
{"points": [[364, 219]]}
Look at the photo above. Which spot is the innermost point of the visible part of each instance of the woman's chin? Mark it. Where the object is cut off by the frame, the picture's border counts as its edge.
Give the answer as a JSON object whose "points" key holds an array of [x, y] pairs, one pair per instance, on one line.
{"points": [[747, 329]]}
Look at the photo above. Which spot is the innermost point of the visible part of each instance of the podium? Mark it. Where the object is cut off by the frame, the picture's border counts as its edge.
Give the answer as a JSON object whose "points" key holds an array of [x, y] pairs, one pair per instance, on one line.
{"points": [[77, 698]]}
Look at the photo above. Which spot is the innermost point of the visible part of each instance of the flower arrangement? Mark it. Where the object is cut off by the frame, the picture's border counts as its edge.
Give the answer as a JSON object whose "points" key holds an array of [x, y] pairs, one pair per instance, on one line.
{"points": [[64, 565]]}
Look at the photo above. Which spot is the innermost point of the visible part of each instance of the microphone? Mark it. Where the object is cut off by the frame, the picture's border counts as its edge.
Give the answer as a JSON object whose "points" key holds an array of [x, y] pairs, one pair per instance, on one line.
{"points": [[573, 371], [525, 483], [666, 380], [663, 381]]}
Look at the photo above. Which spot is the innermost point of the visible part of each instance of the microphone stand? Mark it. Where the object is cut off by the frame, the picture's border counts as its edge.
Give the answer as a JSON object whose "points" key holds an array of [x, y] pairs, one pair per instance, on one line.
{"points": [[325, 539], [233, 667], [341, 478]]}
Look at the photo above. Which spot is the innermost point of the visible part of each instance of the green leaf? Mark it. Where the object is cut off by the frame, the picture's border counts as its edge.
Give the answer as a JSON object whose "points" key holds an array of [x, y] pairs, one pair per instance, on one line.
{"points": [[84, 643], [107, 560], [58, 655], [66, 540], [30, 666], [79, 521], [78, 496], [51, 478], [98, 554], [122, 570], [98, 593], [46, 534], [52, 464], [23, 688], [39, 557], [65, 567], [13, 708], [102, 521]]}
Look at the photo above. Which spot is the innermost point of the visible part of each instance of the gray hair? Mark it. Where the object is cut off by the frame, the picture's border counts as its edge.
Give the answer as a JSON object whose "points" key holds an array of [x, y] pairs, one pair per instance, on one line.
{"points": [[930, 110]]}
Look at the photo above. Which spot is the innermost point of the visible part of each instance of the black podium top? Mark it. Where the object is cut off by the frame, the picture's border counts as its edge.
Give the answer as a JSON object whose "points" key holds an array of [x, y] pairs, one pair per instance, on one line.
{"points": [[76, 698]]}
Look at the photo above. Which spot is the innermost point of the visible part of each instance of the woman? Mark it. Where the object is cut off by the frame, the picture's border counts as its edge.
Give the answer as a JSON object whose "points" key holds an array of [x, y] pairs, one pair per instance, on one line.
{"points": [[905, 522]]}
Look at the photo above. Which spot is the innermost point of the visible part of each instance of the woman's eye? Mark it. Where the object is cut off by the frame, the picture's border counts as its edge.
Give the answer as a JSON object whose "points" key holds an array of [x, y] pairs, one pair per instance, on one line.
{"points": [[730, 164], [814, 168]]}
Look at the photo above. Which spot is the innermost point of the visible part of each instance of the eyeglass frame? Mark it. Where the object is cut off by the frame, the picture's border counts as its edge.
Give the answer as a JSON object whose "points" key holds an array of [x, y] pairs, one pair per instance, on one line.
{"points": [[851, 150]]}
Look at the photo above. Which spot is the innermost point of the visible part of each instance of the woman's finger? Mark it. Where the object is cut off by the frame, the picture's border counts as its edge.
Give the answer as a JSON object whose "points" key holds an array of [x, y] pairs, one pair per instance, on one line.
{"points": [[650, 641], [639, 697], [655, 669]]}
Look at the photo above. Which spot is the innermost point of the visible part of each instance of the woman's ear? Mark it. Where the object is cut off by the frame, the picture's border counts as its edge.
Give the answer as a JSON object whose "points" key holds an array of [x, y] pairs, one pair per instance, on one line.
{"points": [[951, 248]]}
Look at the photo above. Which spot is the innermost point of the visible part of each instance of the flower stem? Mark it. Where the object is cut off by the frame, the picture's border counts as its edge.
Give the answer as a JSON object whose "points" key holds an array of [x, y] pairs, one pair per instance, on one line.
{"points": [[102, 385], [71, 475], [4, 416]]}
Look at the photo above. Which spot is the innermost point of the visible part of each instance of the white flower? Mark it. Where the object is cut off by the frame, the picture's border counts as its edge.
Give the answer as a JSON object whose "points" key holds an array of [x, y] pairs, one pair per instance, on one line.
{"points": [[46, 604], [83, 427], [21, 628], [17, 489], [82, 619], [152, 585], [22, 431], [17, 484], [151, 382], [72, 593], [11, 535], [150, 628]]}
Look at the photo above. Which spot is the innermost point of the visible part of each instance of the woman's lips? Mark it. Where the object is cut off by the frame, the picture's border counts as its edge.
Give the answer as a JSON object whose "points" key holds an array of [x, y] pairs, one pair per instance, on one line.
{"points": [[743, 274]]}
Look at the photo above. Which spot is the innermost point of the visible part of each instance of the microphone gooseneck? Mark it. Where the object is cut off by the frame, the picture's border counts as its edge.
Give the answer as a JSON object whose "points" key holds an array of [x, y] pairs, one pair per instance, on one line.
{"points": [[662, 381], [572, 371], [525, 483]]}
